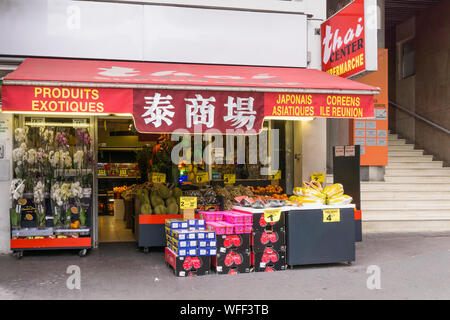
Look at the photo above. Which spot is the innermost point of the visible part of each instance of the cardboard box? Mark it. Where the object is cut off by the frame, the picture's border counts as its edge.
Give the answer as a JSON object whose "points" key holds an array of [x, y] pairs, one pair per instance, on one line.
{"points": [[207, 243], [206, 235], [176, 224], [237, 242], [231, 266], [260, 224], [188, 266], [119, 209], [184, 243], [268, 260], [184, 235], [262, 239], [232, 259], [206, 251], [183, 252]]}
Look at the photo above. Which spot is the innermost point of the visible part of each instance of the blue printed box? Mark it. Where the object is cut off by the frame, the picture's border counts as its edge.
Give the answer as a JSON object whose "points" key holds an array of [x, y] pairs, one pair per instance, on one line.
{"points": [[207, 243], [176, 224], [206, 251], [184, 252], [206, 235], [184, 235], [184, 243]]}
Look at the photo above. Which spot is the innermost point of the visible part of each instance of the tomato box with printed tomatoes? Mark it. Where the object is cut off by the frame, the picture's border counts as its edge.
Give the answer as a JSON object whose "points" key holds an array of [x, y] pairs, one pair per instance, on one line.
{"points": [[237, 242], [261, 223], [268, 260], [188, 266], [239, 262], [268, 238]]}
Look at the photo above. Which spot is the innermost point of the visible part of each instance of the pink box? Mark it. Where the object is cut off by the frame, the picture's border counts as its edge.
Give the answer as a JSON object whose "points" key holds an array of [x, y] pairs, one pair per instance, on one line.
{"points": [[247, 217], [216, 227], [239, 228], [248, 227], [207, 215], [233, 217], [229, 227]]}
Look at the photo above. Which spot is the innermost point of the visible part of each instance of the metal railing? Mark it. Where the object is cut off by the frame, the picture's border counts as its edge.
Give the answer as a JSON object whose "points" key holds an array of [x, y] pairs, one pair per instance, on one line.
{"points": [[431, 123]]}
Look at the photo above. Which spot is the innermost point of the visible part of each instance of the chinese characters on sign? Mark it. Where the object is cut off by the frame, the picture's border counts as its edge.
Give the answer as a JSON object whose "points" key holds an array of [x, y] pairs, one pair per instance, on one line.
{"points": [[169, 110]]}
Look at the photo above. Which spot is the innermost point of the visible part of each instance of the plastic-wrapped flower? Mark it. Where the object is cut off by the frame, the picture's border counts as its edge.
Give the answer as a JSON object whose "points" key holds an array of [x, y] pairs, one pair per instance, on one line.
{"points": [[78, 159], [17, 188], [20, 134], [38, 192], [31, 156], [76, 190]]}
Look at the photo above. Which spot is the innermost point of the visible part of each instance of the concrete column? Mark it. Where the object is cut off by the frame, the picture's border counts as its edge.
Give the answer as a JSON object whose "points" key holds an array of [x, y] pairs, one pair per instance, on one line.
{"points": [[314, 147], [5, 202]]}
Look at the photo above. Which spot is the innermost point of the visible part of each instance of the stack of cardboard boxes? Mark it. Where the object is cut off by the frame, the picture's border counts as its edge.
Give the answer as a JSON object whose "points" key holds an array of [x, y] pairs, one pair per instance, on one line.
{"points": [[189, 247], [233, 231], [268, 243]]}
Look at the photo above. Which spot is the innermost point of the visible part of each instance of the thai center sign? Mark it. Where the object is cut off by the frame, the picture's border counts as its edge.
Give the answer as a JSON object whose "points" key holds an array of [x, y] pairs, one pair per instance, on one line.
{"points": [[349, 40]]}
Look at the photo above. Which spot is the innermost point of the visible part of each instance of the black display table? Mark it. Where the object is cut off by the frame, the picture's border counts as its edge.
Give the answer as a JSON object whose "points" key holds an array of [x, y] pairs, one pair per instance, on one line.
{"points": [[310, 240]]}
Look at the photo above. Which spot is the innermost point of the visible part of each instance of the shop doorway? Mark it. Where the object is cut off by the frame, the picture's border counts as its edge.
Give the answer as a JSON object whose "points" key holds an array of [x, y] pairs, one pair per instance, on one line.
{"points": [[118, 152]]}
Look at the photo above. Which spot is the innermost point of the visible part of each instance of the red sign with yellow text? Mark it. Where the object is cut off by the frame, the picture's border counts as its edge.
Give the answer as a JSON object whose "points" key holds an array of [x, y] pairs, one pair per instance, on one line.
{"points": [[319, 105], [348, 40], [66, 99]]}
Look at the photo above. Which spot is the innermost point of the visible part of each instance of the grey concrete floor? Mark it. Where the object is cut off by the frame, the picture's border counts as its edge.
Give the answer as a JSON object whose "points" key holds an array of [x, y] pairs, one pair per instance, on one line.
{"points": [[412, 266]]}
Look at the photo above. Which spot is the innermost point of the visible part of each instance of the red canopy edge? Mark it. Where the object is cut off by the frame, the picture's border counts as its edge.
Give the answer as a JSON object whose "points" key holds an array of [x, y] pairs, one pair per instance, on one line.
{"points": [[168, 97]]}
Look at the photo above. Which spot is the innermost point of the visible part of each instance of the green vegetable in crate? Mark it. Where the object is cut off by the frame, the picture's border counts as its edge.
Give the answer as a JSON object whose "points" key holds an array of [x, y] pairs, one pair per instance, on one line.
{"points": [[172, 208], [160, 209], [177, 193], [164, 192], [156, 201], [170, 200], [146, 209], [154, 193]]}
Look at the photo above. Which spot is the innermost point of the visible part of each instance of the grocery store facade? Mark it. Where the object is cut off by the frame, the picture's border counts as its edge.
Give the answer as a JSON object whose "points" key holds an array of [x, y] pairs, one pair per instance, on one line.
{"points": [[182, 53]]}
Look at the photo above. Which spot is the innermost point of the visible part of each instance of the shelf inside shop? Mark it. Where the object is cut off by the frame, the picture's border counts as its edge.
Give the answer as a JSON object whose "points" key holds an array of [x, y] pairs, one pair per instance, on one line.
{"points": [[119, 148], [32, 232], [119, 177], [81, 232]]}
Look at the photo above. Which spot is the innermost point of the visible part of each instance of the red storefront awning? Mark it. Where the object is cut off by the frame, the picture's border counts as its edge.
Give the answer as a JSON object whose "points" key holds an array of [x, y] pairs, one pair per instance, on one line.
{"points": [[164, 97]]}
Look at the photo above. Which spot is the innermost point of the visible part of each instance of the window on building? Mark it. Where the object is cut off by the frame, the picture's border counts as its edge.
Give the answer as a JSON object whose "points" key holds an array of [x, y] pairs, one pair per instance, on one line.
{"points": [[408, 59]]}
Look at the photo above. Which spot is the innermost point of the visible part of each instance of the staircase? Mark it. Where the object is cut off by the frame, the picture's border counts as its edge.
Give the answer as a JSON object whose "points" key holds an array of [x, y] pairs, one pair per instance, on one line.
{"points": [[415, 196]]}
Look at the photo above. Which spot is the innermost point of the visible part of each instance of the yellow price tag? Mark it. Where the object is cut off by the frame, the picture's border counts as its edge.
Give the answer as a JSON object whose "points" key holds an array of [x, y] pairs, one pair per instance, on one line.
{"points": [[276, 176], [158, 177], [331, 215], [123, 172], [320, 177], [229, 178], [272, 215], [202, 177], [188, 203], [101, 172]]}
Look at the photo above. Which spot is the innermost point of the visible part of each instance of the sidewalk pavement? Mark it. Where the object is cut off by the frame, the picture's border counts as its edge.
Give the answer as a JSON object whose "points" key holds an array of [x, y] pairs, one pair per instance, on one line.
{"points": [[412, 266]]}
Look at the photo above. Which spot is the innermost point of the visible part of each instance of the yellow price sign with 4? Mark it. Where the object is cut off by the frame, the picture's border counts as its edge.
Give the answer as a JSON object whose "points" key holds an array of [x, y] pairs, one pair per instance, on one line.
{"points": [[272, 215], [101, 172], [331, 215], [123, 172], [229, 178], [188, 203]]}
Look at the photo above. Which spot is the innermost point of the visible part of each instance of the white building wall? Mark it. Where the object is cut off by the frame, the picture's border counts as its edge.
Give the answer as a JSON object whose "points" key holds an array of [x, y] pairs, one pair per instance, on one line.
{"points": [[5, 202], [313, 133]]}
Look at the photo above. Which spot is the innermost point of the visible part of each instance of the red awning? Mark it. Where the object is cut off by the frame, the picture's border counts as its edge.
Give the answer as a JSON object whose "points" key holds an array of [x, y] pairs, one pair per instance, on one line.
{"points": [[163, 97]]}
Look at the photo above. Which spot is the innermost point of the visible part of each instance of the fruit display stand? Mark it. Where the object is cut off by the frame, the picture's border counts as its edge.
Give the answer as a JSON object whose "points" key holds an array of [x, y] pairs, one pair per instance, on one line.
{"points": [[316, 234]]}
